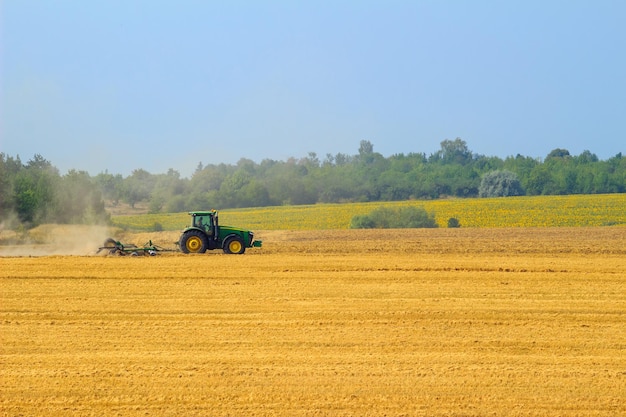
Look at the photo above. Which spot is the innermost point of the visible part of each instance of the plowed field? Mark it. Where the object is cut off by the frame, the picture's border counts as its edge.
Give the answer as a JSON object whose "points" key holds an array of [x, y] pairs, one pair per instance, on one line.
{"points": [[438, 322]]}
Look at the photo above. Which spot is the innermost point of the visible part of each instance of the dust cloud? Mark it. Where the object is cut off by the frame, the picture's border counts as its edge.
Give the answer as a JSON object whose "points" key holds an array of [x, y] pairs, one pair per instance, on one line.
{"points": [[53, 239]]}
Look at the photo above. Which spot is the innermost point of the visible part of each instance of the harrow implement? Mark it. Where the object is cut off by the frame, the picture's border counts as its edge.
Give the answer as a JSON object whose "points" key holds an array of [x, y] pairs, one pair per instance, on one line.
{"points": [[115, 247]]}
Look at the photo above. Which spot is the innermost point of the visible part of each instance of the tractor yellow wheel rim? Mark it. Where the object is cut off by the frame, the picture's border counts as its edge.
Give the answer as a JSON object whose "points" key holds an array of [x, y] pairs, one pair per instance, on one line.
{"points": [[193, 244], [234, 246]]}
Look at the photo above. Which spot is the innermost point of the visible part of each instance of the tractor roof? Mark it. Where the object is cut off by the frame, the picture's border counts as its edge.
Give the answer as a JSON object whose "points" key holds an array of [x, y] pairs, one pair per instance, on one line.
{"points": [[203, 213]]}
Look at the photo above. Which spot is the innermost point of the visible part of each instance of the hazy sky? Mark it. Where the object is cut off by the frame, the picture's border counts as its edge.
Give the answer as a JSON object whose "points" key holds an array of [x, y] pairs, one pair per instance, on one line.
{"points": [[118, 85]]}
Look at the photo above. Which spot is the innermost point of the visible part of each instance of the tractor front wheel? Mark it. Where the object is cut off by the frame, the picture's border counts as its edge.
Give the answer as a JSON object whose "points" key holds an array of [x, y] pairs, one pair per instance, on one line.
{"points": [[234, 245], [193, 241]]}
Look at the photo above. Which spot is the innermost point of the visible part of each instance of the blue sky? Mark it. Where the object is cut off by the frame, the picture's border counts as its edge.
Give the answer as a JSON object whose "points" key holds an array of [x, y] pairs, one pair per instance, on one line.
{"points": [[120, 85]]}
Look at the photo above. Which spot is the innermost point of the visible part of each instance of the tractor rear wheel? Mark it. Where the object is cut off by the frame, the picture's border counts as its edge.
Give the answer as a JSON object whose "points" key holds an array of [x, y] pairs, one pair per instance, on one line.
{"points": [[193, 241], [234, 245]]}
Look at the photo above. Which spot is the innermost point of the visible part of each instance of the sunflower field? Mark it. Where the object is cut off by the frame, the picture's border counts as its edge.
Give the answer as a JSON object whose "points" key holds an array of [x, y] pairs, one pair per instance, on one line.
{"points": [[535, 211]]}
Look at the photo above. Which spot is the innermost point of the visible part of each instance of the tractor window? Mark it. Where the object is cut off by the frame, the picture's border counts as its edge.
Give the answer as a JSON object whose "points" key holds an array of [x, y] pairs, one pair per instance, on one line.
{"points": [[200, 222]]}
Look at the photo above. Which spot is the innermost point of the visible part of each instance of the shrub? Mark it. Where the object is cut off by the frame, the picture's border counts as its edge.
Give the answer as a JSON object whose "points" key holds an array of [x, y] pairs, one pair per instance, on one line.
{"points": [[388, 218], [500, 184], [453, 222], [362, 222]]}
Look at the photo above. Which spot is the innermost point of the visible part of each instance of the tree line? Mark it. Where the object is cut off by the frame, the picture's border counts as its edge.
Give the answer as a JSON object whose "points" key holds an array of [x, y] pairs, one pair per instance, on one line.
{"points": [[36, 192]]}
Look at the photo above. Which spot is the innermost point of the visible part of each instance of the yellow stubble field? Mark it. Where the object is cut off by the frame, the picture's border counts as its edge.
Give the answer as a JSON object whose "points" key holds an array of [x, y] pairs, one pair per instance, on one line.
{"points": [[429, 322]]}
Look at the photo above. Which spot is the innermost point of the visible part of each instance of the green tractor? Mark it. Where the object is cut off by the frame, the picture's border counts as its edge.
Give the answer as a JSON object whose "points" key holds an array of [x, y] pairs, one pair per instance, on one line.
{"points": [[205, 233]]}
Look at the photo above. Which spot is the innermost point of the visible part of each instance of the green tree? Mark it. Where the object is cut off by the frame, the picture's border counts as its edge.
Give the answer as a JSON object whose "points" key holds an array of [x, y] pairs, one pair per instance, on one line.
{"points": [[34, 189], [453, 151], [27, 201], [138, 187], [111, 186], [9, 168], [586, 157], [366, 152], [166, 187], [522, 166], [337, 183], [538, 181], [558, 153], [254, 194]]}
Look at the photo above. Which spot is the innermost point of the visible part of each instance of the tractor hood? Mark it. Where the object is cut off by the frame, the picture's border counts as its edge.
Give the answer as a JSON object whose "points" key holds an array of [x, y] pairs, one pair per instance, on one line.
{"points": [[247, 235], [231, 229]]}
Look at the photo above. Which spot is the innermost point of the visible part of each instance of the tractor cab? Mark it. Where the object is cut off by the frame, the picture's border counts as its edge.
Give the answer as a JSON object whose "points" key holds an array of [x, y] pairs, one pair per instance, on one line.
{"points": [[207, 222]]}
